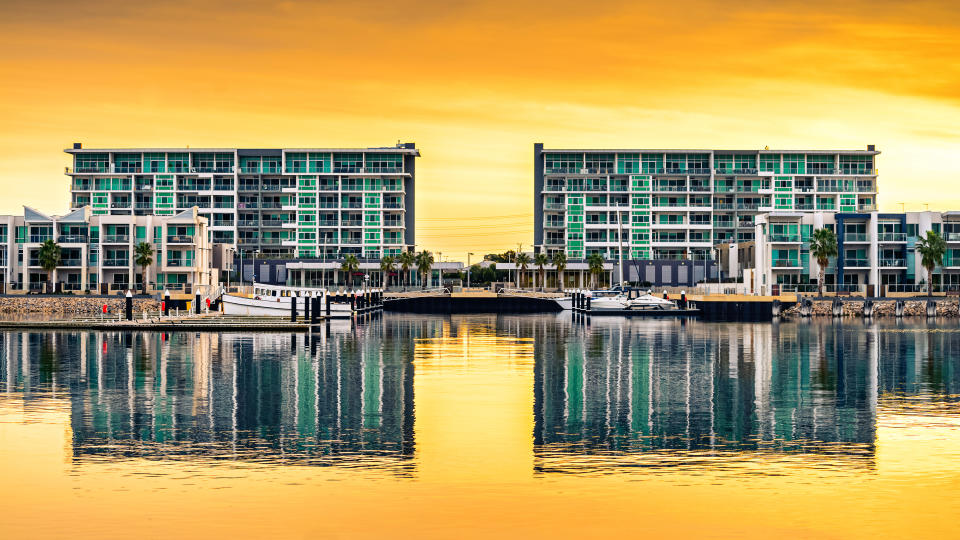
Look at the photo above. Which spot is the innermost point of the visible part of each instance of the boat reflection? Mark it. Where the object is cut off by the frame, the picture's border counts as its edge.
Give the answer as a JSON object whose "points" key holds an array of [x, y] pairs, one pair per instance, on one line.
{"points": [[342, 398]]}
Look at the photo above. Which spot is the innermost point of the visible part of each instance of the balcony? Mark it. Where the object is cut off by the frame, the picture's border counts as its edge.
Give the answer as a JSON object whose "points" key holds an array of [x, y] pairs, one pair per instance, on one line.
{"points": [[143, 205], [892, 237], [786, 263], [820, 170], [351, 223], [275, 222], [393, 205], [72, 239], [392, 223], [892, 263], [856, 263], [785, 238], [180, 239], [121, 204], [352, 241], [116, 238], [952, 237], [856, 237], [179, 263], [115, 263], [70, 263]]}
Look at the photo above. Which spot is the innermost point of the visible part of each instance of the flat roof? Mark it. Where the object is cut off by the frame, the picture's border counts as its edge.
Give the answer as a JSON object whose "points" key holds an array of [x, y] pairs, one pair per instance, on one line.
{"points": [[705, 151], [385, 149]]}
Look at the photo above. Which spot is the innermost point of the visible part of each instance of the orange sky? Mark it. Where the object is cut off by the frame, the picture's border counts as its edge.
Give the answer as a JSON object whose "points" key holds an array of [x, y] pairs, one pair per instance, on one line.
{"points": [[475, 84]]}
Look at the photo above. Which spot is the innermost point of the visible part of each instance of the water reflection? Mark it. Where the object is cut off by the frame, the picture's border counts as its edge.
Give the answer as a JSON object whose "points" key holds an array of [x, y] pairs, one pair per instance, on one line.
{"points": [[345, 398], [655, 395]]}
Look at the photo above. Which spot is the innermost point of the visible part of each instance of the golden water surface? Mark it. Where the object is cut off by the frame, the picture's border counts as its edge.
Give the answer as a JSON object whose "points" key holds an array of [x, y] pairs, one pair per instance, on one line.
{"points": [[653, 429]]}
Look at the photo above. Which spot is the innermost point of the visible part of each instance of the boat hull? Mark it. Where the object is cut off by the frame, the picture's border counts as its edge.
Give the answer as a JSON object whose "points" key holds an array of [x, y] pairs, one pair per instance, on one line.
{"points": [[274, 307]]}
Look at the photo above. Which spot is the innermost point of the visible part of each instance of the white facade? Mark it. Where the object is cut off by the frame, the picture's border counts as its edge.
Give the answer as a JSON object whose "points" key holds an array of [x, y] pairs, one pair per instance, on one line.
{"points": [[98, 252], [876, 252]]}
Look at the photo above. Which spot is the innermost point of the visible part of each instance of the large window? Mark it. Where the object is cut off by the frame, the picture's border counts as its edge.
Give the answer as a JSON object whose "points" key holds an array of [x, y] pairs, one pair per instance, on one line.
{"points": [[564, 163]]}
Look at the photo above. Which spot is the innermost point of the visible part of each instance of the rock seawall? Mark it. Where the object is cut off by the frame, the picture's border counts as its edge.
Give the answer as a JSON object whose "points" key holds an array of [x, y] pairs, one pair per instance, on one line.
{"points": [[882, 308], [69, 305]]}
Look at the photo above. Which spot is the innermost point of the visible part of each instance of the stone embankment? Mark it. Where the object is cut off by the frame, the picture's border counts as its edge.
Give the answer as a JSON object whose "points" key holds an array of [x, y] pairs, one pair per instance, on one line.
{"points": [[881, 308], [71, 305]]}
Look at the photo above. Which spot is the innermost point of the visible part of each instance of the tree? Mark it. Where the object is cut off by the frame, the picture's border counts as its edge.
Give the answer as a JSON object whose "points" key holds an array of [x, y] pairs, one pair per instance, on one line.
{"points": [[406, 260], [424, 263], [386, 266], [931, 249], [49, 256], [143, 257], [823, 245], [540, 259], [560, 263], [522, 261], [595, 263], [350, 265]]}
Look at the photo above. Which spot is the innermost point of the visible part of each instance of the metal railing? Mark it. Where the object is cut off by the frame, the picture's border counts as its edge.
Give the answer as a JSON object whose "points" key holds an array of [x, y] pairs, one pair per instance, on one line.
{"points": [[72, 239], [888, 263], [180, 239], [785, 263], [892, 237], [856, 263]]}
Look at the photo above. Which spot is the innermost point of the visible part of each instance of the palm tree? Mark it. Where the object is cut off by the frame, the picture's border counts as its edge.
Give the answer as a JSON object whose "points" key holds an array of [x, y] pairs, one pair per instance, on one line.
{"points": [[540, 259], [522, 261], [424, 262], [49, 256], [931, 249], [406, 260], [823, 245], [560, 263], [595, 263], [386, 266], [143, 257], [350, 265]]}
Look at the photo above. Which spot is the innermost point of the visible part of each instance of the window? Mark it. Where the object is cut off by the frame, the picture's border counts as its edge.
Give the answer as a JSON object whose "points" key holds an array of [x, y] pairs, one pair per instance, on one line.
{"points": [[564, 163], [628, 163]]}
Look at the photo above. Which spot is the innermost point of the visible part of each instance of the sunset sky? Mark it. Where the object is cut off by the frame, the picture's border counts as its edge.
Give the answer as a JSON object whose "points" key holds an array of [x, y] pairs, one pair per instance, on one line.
{"points": [[475, 84]]}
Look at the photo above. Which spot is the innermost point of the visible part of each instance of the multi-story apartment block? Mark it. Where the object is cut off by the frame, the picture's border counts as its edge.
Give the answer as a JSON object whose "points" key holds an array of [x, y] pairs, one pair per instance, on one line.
{"points": [[876, 252], [677, 204], [282, 203], [98, 251]]}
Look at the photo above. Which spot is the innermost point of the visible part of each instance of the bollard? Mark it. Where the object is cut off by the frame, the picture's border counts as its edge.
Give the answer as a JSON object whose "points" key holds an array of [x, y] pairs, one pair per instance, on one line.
{"points": [[315, 314], [327, 300], [128, 311], [898, 308], [166, 303], [683, 299], [588, 302], [307, 300], [867, 308], [837, 307], [293, 308], [931, 308]]}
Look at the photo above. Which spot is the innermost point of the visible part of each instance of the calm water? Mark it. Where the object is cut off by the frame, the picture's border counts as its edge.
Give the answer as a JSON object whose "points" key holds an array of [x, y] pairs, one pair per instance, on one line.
{"points": [[479, 425]]}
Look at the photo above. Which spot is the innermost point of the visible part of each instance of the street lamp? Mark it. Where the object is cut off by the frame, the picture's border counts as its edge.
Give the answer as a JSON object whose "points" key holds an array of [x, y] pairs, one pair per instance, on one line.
{"points": [[468, 269]]}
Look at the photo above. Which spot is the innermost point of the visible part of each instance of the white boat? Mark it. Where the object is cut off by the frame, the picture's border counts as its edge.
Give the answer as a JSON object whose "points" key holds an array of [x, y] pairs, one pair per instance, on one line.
{"points": [[274, 301], [608, 303], [648, 301], [565, 302]]}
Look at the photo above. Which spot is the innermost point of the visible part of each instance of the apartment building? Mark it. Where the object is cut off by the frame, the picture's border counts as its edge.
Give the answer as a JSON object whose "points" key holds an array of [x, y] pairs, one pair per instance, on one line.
{"points": [[278, 203], [98, 251], [876, 252], [677, 204]]}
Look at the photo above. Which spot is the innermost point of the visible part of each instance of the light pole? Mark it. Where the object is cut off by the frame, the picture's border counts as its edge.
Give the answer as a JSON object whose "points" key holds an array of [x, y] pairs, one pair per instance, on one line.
{"points": [[468, 269], [253, 267]]}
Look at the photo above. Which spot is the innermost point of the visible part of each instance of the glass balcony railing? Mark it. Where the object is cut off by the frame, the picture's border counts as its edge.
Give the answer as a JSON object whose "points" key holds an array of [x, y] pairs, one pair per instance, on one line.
{"points": [[892, 262], [856, 237], [116, 238], [892, 237], [952, 237], [786, 263], [72, 239], [856, 263], [180, 239], [785, 238], [116, 263]]}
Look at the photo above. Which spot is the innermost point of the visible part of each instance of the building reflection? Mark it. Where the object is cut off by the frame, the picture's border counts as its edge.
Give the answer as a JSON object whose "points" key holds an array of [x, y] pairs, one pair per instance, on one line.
{"points": [[639, 393], [343, 398]]}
